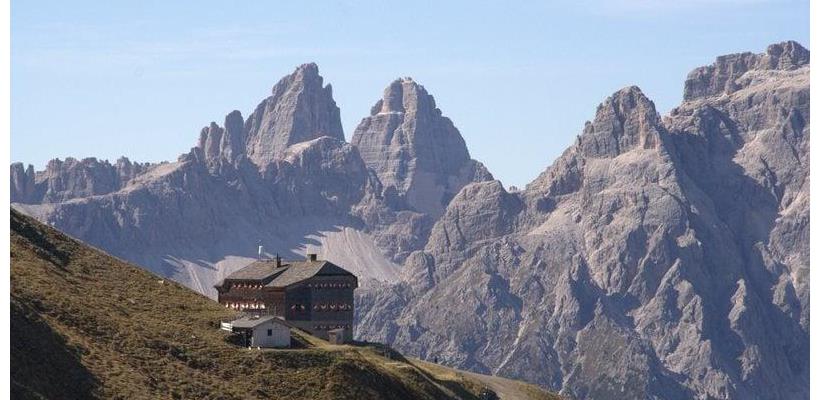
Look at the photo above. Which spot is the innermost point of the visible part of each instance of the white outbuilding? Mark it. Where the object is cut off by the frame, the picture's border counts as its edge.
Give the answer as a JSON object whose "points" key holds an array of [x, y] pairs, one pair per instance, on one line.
{"points": [[261, 331]]}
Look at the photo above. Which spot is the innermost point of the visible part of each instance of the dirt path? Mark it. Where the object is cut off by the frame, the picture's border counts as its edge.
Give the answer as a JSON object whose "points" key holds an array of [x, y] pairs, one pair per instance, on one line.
{"points": [[506, 389]]}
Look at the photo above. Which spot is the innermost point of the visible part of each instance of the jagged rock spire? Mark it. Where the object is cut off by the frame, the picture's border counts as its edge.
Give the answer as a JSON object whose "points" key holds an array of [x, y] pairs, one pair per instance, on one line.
{"points": [[625, 120], [299, 109], [71, 178], [226, 143], [414, 149], [22, 183]]}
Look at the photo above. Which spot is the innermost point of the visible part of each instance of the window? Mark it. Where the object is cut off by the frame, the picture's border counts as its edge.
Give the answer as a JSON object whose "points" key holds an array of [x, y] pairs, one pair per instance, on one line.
{"points": [[270, 332]]}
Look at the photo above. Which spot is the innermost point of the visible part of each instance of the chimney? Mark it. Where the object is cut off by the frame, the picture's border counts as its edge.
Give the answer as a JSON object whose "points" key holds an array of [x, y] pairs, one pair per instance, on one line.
{"points": [[278, 260], [261, 251], [311, 256]]}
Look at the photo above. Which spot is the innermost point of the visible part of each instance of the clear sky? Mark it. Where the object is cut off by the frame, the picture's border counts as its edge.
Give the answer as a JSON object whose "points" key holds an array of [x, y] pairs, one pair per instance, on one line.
{"points": [[141, 78]]}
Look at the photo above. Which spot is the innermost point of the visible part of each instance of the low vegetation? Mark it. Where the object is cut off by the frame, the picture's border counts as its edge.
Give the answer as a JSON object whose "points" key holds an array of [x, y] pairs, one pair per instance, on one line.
{"points": [[88, 325]]}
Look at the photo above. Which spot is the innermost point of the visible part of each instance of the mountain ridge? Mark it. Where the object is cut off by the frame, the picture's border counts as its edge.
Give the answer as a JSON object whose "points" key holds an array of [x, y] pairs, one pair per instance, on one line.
{"points": [[113, 330], [684, 236], [634, 233]]}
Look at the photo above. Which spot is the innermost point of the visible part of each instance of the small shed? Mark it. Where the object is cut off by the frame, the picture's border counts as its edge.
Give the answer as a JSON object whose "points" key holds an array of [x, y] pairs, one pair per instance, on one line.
{"points": [[337, 336], [262, 331]]}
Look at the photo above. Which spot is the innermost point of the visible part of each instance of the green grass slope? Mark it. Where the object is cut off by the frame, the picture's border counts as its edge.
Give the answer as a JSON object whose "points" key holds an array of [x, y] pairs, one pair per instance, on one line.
{"points": [[88, 325]]}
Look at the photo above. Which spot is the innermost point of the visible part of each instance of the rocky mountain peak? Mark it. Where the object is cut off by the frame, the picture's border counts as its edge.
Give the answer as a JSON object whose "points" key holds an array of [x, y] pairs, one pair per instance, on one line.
{"points": [[209, 139], [405, 95], [680, 246], [625, 120], [305, 75], [232, 143], [722, 76], [786, 55], [218, 143], [414, 149], [67, 179], [22, 183], [299, 109], [308, 68]]}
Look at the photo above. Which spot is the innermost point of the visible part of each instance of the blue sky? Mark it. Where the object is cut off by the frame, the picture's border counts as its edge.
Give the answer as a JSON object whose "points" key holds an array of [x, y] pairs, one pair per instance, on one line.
{"points": [[140, 79]]}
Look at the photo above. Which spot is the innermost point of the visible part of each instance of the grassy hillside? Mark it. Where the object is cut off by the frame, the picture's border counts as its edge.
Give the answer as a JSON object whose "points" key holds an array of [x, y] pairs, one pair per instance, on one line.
{"points": [[85, 324]]}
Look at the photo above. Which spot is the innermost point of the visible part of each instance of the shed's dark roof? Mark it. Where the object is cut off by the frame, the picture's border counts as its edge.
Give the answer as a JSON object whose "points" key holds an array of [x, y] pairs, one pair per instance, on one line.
{"points": [[288, 273]]}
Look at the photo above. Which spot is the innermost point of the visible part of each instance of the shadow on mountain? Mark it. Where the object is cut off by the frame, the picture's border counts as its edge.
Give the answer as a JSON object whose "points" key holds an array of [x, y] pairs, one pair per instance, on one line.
{"points": [[43, 365], [748, 209]]}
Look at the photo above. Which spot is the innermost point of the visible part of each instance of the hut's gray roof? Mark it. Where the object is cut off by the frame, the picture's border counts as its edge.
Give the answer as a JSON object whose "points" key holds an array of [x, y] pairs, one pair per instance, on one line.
{"points": [[258, 270], [253, 321], [288, 273]]}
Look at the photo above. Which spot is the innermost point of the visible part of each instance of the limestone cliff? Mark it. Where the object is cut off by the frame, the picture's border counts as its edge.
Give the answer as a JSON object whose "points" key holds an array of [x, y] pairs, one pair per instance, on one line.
{"points": [[656, 258], [659, 257], [417, 153]]}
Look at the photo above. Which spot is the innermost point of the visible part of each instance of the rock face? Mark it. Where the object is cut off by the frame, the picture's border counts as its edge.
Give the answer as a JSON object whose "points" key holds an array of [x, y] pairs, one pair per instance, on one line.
{"points": [[721, 77], [23, 184], [223, 144], [299, 109], [69, 179], [417, 153], [658, 257], [284, 178], [624, 121]]}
